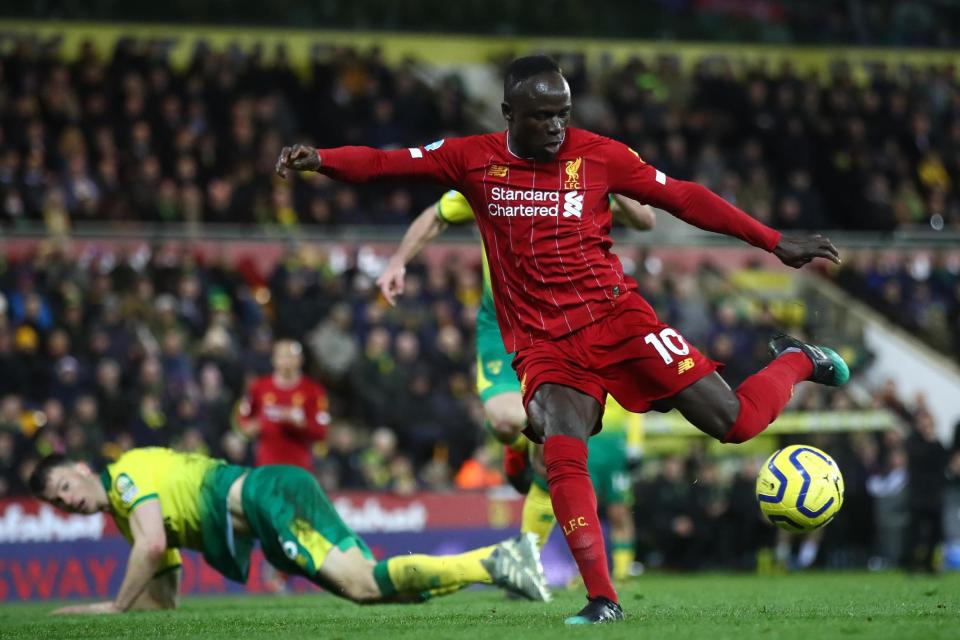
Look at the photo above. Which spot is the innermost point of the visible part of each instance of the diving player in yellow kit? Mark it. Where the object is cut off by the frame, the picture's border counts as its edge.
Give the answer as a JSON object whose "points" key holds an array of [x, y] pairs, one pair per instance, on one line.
{"points": [[163, 500]]}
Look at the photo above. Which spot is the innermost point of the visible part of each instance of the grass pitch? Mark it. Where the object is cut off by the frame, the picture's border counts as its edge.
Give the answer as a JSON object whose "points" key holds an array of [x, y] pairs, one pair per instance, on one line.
{"points": [[805, 607]]}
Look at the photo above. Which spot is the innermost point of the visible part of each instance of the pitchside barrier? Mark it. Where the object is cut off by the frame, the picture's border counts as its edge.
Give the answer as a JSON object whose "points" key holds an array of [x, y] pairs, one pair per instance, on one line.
{"points": [[48, 554]]}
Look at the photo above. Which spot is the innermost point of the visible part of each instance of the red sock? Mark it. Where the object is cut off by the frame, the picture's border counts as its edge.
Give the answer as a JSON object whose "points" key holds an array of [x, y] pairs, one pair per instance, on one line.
{"points": [[514, 462], [575, 505], [764, 394]]}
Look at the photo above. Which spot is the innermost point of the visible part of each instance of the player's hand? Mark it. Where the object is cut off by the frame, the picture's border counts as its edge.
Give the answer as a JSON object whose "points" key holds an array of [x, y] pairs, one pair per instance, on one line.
{"points": [[391, 281], [798, 251], [299, 157], [86, 609]]}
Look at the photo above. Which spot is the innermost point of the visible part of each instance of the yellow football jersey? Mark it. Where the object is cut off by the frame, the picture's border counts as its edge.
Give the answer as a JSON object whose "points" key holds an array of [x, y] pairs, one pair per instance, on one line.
{"points": [[174, 479]]}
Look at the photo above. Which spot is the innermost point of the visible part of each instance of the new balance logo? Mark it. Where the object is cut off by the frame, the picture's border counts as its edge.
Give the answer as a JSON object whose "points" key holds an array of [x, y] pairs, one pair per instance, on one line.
{"points": [[572, 204], [685, 365]]}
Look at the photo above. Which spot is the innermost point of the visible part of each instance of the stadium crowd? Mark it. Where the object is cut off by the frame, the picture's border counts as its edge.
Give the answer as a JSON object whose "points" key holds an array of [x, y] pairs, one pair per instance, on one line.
{"points": [[106, 351], [920, 291], [131, 137]]}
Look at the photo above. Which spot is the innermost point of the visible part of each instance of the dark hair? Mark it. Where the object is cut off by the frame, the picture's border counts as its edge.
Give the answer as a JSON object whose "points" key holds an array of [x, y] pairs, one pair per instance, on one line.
{"points": [[41, 473], [527, 67]]}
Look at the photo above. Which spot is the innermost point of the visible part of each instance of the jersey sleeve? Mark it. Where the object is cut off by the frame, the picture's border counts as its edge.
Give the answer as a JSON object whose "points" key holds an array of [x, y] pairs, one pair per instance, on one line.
{"points": [[441, 162], [317, 416], [453, 208], [131, 483], [131, 489], [693, 203], [170, 560]]}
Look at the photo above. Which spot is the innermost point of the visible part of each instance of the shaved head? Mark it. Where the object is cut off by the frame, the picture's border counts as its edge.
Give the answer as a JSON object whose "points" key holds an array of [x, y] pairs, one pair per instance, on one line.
{"points": [[524, 68], [536, 106]]}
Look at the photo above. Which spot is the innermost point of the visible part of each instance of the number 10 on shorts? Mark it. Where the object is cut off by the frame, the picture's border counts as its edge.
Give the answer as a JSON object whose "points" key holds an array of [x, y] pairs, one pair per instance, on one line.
{"points": [[667, 341]]}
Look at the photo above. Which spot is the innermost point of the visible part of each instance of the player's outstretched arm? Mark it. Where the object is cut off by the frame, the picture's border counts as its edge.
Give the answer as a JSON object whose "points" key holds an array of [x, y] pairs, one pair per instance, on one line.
{"points": [[797, 251], [421, 231], [633, 214], [441, 162], [149, 547]]}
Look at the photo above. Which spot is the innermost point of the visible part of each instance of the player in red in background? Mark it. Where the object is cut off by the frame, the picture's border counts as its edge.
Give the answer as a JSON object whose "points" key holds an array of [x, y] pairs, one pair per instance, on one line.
{"points": [[578, 327], [285, 411]]}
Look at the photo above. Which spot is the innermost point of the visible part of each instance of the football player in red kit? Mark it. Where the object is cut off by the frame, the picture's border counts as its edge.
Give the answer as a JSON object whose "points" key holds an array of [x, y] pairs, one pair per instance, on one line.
{"points": [[285, 411], [540, 192]]}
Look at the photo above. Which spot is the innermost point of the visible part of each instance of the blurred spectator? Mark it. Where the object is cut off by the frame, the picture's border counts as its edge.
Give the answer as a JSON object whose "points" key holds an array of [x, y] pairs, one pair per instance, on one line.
{"points": [[343, 464], [668, 521], [334, 345], [748, 531], [479, 472], [927, 462], [888, 487]]}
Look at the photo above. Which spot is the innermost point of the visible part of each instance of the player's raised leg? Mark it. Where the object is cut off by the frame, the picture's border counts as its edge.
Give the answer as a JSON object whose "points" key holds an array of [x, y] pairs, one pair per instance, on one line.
{"points": [[711, 406], [564, 418]]}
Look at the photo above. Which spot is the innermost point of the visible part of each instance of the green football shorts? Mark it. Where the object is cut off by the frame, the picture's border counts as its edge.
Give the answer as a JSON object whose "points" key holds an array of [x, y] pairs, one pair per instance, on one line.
{"points": [[228, 554], [495, 374], [295, 522], [607, 463], [287, 511]]}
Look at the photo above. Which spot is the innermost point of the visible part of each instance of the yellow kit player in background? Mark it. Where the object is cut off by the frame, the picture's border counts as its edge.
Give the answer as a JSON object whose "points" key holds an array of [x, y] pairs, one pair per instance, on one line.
{"points": [[500, 393], [163, 500]]}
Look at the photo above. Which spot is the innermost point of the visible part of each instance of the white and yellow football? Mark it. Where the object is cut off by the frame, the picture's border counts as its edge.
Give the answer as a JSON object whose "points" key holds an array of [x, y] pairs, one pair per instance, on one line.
{"points": [[800, 488]]}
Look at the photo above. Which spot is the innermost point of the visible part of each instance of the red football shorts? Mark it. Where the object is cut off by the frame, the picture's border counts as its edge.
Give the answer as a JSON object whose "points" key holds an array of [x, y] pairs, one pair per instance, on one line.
{"points": [[628, 353]]}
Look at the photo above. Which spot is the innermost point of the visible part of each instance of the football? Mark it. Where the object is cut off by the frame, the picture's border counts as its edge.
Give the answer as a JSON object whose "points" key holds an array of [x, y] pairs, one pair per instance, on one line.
{"points": [[800, 488]]}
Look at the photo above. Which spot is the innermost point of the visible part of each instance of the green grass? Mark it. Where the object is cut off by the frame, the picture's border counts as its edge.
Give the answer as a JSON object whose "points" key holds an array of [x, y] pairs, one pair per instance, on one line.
{"points": [[808, 606]]}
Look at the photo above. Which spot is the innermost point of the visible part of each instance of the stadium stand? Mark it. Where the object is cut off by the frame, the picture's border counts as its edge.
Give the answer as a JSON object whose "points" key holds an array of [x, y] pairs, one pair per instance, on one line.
{"points": [[132, 137], [919, 290]]}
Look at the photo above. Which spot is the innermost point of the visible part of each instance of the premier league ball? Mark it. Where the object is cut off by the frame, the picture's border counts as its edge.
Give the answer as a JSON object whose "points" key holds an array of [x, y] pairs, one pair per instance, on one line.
{"points": [[800, 488]]}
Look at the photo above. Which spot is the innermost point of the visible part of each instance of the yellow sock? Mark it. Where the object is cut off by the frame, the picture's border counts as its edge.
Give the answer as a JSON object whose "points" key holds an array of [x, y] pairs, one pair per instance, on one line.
{"points": [[623, 555], [538, 515], [519, 443], [427, 576], [441, 591]]}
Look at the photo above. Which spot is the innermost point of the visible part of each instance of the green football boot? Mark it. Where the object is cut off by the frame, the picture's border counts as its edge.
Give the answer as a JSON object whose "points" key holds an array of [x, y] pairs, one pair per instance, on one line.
{"points": [[828, 367]]}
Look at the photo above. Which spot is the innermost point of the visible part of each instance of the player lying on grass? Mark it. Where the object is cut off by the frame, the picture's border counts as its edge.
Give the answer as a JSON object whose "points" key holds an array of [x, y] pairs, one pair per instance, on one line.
{"points": [[162, 500]]}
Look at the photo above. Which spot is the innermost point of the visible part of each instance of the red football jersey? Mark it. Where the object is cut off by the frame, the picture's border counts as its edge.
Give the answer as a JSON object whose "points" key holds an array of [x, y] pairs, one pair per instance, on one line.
{"points": [[546, 225], [284, 441]]}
